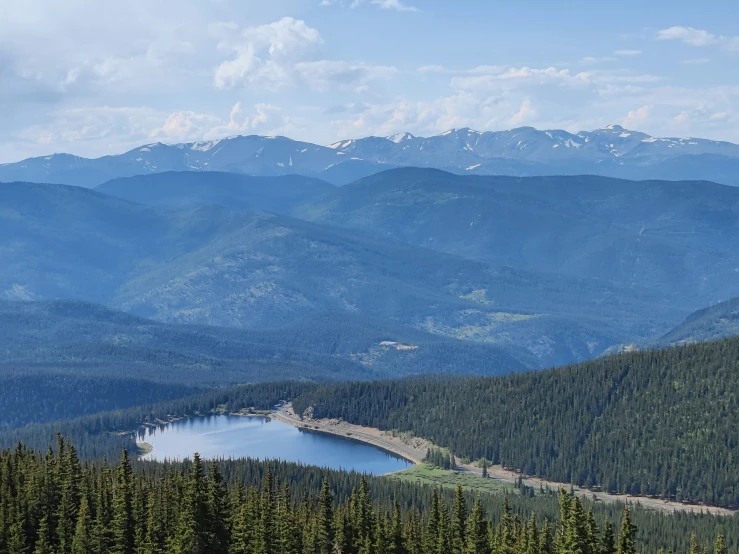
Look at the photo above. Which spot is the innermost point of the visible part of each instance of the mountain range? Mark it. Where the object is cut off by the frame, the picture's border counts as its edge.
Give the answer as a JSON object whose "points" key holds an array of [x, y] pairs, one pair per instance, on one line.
{"points": [[210, 265], [547, 270], [612, 151], [678, 237]]}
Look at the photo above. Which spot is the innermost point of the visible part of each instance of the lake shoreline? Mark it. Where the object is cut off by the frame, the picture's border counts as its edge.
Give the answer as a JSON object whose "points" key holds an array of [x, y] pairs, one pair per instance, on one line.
{"points": [[362, 455], [396, 445], [413, 450], [413, 453]]}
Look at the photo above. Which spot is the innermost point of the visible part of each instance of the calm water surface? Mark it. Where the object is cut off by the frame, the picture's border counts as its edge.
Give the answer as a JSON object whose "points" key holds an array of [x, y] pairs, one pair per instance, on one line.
{"points": [[255, 437]]}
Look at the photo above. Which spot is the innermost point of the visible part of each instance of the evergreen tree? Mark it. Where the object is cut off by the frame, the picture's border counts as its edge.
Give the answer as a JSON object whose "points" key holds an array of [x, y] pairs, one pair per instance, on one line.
{"points": [[592, 533], [565, 503], [285, 532], [720, 546], [82, 542], [326, 533], [444, 538], [576, 534], [477, 532], [267, 512], [414, 533], [382, 535], [122, 523], [103, 511], [693, 544], [607, 541], [459, 521], [243, 528], [69, 505], [16, 541], [218, 512], [507, 532], [397, 541], [626, 544], [174, 508], [432, 527], [191, 533], [155, 541], [533, 543], [43, 540], [546, 541]]}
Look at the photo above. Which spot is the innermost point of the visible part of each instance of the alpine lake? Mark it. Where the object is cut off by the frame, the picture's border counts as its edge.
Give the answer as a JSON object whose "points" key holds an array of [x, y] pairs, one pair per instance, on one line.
{"points": [[232, 437]]}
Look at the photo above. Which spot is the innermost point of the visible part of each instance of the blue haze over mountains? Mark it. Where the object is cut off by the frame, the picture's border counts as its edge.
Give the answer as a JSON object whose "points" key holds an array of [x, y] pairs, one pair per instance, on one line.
{"points": [[612, 151], [466, 272]]}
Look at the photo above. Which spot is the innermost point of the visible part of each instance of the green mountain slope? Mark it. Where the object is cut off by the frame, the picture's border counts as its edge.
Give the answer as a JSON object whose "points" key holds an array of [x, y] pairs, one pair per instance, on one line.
{"points": [[62, 359], [69, 242], [715, 322], [652, 423], [680, 237], [86, 339], [213, 266], [276, 269]]}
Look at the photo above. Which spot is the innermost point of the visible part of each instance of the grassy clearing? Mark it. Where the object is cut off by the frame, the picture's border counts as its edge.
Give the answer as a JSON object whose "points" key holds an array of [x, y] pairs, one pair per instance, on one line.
{"points": [[424, 474]]}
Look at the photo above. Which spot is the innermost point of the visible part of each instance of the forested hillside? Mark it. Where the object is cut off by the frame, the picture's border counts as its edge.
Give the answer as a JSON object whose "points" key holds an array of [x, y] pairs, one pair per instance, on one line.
{"points": [[652, 423], [712, 323], [28, 395], [105, 434], [63, 359], [678, 237], [88, 339], [214, 266], [54, 503]]}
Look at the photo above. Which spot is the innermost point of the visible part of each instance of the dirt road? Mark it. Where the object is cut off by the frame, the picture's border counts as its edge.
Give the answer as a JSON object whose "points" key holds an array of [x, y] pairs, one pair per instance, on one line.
{"points": [[414, 450]]}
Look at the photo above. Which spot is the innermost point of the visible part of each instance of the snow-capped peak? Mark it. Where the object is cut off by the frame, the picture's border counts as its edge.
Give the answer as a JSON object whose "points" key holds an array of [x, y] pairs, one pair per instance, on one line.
{"points": [[400, 137], [340, 144], [614, 128], [205, 146]]}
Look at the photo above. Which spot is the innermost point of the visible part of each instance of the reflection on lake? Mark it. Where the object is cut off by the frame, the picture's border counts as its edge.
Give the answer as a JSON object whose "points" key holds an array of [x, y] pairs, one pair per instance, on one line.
{"points": [[225, 436]]}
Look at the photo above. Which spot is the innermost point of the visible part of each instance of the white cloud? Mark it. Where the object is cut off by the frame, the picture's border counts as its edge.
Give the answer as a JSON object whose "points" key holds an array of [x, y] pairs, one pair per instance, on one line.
{"points": [[397, 5], [636, 119], [184, 126], [591, 60], [394, 5], [524, 114], [119, 74], [121, 129], [241, 121], [688, 35], [550, 98], [288, 53], [324, 73], [698, 37], [432, 69], [263, 118], [266, 55], [117, 127]]}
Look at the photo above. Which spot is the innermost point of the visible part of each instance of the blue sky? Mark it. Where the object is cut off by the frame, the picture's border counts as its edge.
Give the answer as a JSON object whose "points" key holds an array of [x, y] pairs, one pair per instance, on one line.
{"points": [[94, 78]]}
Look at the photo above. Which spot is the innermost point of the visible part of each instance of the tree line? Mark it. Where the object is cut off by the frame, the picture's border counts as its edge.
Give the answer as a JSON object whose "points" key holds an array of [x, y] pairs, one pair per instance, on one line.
{"points": [[105, 434], [438, 457], [658, 423], [56, 504], [32, 396]]}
